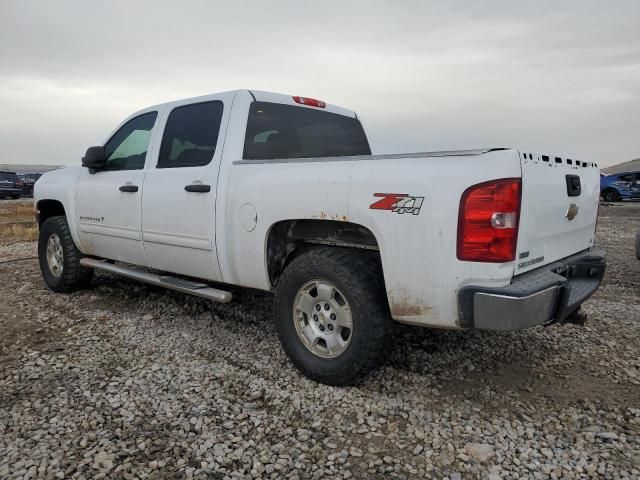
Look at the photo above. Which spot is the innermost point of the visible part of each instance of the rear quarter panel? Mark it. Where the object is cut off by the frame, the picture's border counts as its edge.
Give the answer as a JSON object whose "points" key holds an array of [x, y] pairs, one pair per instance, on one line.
{"points": [[418, 252], [625, 188]]}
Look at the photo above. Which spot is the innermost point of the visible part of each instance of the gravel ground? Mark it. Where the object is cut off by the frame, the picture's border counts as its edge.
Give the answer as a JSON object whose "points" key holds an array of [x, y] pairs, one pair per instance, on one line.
{"points": [[131, 381]]}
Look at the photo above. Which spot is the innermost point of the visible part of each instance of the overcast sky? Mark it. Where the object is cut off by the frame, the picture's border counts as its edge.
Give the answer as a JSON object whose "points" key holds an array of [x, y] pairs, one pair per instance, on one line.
{"points": [[548, 76]]}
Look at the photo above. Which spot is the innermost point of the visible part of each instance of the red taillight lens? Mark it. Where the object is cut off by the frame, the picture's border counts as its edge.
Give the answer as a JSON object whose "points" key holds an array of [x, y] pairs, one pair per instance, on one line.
{"points": [[488, 221], [312, 102]]}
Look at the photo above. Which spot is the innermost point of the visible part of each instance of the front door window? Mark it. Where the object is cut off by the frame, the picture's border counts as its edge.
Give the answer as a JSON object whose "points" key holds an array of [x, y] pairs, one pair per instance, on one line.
{"points": [[127, 149]]}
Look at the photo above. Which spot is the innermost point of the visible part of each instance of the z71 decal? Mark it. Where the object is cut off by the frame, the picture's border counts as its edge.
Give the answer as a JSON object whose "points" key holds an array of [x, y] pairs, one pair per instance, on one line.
{"points": [[398, 203]]}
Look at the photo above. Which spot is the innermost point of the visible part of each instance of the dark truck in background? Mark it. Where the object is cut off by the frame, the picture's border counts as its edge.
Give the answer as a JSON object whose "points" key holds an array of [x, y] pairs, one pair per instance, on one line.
{"points": [[10, 185], [28, 181]]}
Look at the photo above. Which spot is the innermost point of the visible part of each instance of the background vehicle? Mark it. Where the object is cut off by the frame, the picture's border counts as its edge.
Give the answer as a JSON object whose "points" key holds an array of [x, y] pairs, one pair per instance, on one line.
{"points": [[620, 186], [282, 194], [10, 185], [28, 181]]}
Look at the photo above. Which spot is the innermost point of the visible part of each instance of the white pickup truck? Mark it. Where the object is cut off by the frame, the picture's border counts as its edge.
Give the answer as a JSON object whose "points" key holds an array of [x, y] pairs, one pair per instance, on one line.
{"points": [[281, 193]]}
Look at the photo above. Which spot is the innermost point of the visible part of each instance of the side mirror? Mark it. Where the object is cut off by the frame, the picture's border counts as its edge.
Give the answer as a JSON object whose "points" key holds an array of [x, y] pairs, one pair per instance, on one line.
{"points": [[95, 158]]}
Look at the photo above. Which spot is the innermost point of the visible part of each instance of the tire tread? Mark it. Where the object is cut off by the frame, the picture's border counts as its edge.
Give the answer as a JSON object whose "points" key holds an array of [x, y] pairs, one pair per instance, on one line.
{"points": [[363, 270], [74, 276]]}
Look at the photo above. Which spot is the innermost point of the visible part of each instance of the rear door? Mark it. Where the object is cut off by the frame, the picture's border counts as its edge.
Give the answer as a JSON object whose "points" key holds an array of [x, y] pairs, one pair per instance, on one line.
{"points": [[558, 211], [178, 206], [634, 188], [622, 183], [627, 185]]}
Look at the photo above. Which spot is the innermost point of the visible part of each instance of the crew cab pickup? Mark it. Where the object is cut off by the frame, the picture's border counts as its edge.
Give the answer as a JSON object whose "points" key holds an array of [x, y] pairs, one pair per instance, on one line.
{"points": [[282, 193]]}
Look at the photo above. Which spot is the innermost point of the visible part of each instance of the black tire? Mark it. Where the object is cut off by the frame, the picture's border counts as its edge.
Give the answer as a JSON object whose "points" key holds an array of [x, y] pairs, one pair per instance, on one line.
{"points": [[638, 245], [358, 276], [73, 276], [611, 195]]}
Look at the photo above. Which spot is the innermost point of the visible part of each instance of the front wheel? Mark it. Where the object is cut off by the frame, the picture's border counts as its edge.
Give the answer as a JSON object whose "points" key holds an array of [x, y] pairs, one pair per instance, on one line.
{"points": [[60, 258], [611, 195], [331, 314]]}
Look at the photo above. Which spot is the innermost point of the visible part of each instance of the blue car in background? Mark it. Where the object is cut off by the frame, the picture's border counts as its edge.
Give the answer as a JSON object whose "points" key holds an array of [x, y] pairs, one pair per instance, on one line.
{"points": [[620, 186]]}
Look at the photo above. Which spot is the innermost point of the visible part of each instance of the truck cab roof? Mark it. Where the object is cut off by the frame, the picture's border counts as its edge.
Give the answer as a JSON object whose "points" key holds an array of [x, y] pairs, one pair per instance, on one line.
{"points": [[257, 95]]}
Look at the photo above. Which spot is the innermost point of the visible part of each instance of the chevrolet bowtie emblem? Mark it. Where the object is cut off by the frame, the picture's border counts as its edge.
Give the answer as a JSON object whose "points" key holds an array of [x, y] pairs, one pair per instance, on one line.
{"points": [[572, 211]]}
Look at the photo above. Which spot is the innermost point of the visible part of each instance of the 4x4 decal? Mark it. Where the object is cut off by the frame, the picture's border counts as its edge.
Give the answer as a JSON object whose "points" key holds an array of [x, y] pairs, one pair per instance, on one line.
{"points": [[398, 203]]}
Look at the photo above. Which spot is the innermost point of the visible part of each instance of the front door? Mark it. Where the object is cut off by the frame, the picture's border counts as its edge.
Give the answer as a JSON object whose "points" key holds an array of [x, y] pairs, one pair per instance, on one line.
{"points": [[108, 201], [178, 206]]}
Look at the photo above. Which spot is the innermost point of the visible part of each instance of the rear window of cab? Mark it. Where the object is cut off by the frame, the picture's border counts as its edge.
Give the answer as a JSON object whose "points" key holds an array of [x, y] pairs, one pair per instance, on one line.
{"points": [[281, 131]]}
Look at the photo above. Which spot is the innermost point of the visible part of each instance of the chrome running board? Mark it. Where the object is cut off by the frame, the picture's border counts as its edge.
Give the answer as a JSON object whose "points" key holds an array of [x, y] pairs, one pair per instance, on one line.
{"points": [[172, 283]]}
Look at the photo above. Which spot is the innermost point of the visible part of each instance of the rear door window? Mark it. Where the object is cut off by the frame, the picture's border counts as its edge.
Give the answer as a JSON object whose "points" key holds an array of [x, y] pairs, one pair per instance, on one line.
{"points": [[191, 135], [275, 130]]}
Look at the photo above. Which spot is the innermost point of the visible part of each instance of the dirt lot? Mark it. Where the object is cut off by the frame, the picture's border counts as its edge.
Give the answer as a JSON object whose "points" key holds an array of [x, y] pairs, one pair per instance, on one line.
{"points": [[130, 381], [17, 221]]}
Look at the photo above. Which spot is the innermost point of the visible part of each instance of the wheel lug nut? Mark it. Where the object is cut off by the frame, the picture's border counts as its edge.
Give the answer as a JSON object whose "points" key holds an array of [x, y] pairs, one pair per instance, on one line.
{"points": [[330, 327], [333, 316], [315, 317], [318, 307], [322, 328], [326, 306]]}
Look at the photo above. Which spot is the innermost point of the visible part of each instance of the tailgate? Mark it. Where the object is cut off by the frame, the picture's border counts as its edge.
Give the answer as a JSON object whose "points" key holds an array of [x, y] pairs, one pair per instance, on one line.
{"points": [[558, 210]]}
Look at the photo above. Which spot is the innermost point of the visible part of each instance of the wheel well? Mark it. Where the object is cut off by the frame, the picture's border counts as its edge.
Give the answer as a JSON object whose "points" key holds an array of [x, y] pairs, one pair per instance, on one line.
{"points": [[47, 209], [288, 238]]}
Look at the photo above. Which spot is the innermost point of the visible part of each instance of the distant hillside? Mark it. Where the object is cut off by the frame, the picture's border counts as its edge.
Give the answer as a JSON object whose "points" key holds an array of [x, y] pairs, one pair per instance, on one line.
{"points": [[630, 166], [28, 168]]}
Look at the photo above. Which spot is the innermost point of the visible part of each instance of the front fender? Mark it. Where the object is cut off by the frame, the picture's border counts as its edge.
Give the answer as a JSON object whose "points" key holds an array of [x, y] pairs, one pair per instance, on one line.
{"points": [[60, 185]]}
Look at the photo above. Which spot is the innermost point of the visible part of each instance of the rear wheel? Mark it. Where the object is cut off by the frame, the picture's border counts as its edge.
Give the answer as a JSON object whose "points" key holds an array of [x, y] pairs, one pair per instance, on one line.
{"points": [[59, 257], [331, 314], [611, 195]]}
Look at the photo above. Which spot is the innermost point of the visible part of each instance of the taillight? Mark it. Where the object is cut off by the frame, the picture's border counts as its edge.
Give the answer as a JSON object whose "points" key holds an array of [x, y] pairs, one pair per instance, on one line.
{"points": [[311, 102], [488, 221]]}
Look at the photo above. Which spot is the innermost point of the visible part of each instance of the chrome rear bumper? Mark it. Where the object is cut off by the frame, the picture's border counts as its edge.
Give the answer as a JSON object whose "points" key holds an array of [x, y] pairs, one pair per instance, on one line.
{"points": [[546, 295]]}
